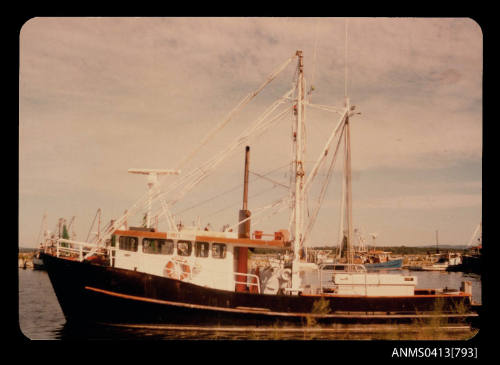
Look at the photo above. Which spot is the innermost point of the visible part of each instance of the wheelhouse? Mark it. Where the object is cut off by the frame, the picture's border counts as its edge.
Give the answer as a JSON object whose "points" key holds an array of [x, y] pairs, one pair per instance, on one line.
{"points": [[206, 258]]}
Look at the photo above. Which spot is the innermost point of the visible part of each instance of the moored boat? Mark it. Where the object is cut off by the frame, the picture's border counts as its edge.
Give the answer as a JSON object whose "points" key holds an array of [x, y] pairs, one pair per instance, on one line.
{"points": [[189, 275], [471, 259], [387, 265], [37, 261]]}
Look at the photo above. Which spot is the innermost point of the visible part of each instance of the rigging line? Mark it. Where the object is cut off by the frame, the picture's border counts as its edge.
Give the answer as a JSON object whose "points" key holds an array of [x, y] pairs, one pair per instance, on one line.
{"points": [[92, 226], [225, 192], [209, 199], [219, 159], [281, 207], [278, 203], [323, 189], [211, 164], [233, 204], [324, 153], [240, 105], [327, 108], [271, 180], [129, 212]]}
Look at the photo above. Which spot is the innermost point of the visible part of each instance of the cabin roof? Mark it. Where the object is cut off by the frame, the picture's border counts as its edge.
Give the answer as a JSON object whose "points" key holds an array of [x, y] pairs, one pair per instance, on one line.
{"points": [[242, 242]]}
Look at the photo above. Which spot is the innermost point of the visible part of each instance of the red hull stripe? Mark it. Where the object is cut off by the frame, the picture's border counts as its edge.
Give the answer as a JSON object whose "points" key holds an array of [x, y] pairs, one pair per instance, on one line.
{"points": [[262, 310]]}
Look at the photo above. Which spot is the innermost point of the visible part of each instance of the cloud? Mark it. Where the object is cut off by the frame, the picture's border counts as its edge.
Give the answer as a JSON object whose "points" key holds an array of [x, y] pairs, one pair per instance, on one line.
{"points": [[424, 202], [101, 95]]}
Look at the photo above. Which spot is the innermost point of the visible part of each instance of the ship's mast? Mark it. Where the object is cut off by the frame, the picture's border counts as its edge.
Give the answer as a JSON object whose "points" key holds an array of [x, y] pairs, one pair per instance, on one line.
{"points": [[299, 174], [348, 186]]}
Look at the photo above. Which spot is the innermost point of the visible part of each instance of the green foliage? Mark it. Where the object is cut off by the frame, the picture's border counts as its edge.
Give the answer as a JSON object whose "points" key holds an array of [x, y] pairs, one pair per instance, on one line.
{"points": [[65, 233], [320, 306]]}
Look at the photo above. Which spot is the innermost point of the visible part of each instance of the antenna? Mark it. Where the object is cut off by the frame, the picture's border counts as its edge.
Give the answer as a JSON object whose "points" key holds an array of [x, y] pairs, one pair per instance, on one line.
{"points": [[152, 181], [345, 57], [373, 236]]}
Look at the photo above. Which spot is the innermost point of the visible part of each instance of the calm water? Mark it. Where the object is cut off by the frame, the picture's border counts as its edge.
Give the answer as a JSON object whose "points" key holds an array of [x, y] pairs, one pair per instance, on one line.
{"points": [[41, 318]]}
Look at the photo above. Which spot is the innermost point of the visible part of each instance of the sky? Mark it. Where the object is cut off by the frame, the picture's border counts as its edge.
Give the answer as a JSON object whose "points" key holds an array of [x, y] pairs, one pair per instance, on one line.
{"points": [[98, 96]]}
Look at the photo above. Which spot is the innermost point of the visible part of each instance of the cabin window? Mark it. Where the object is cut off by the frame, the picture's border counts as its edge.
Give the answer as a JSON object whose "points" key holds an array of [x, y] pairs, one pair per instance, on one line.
{"points": [[184, 248], [157, 246], [218, 250], [201, 249], [128, 243]]}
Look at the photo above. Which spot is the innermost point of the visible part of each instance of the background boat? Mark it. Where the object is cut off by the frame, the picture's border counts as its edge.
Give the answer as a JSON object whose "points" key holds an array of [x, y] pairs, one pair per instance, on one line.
{"points": [[388, 265]]}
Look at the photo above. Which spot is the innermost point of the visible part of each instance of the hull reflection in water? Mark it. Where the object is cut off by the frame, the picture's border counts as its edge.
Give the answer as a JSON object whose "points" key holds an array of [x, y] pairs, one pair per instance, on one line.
{"points": [[102, 331]]}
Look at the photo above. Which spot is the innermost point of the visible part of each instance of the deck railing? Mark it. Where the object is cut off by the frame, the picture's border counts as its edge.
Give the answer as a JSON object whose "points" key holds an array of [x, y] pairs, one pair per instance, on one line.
{"points": [[78, 250], [251, 283], [66, 248]]}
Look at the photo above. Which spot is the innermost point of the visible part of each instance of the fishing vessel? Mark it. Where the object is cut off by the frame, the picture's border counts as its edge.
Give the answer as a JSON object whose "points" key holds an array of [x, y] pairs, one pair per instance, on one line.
{"points": [[384, 265], [373, 259], [199, 276], [471, 259], [37, 261]]}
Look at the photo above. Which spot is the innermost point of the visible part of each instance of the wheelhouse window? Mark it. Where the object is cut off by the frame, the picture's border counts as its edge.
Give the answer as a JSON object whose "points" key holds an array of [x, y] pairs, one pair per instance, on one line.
{"points": [[218, 250], [201, 249], [128, 243], [157, 246], [184, 248]]}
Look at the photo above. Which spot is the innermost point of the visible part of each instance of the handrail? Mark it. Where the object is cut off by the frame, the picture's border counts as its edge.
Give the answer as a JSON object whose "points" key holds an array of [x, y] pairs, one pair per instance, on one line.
{"points": [[257, 284], [60, 249], [63, 240]]}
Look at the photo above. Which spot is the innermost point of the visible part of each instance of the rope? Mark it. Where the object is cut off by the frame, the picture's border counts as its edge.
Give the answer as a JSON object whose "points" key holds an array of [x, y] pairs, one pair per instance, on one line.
{"points": [[263, 209], [234, 204], [276, 183], [197, 175], [215, 161], [242, 103], [139, 204], [143, 201], [323, 189], [324, 152]]}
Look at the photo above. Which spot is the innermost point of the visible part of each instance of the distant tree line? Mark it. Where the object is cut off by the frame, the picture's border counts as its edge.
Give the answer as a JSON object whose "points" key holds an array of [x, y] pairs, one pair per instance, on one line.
{"points": [[407, 250]]}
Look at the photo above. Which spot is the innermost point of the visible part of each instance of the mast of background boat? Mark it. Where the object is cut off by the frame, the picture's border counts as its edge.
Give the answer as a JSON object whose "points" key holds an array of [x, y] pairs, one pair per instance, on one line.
{"points": [[299, 175], [437, 241], [42, 230]]}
